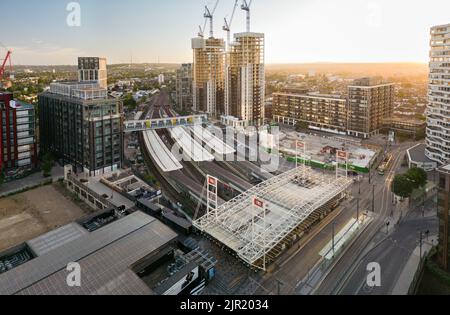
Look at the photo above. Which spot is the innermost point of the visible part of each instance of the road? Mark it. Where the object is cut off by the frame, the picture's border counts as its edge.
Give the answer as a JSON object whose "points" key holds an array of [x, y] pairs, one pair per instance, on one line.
{"points": [[383, 210], [301, 260], [343, 277], [30, 181], [392, 254]]}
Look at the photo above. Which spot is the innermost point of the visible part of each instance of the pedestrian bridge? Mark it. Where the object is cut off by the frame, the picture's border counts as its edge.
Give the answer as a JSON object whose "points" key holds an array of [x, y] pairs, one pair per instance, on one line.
{"points": [[164, 123]]}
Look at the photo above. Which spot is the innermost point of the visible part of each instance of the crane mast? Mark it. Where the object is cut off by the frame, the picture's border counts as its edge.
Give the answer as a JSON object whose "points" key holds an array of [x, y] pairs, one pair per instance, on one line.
{"points": [[227, 25], [246, 7], [4, 64], [209, 15]]}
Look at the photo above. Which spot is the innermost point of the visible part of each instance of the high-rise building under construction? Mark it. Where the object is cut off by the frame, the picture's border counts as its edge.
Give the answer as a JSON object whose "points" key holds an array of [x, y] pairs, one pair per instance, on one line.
{"points": [[246, 78], [209, 75]]}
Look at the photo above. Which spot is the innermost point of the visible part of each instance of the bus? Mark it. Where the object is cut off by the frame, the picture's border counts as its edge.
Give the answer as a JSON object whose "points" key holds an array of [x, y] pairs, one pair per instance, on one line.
{"points": [[386, 165]]}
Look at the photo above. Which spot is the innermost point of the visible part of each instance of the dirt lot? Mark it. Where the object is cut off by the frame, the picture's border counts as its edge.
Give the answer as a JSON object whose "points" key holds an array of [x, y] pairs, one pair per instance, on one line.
{"points": [[30, 214]]}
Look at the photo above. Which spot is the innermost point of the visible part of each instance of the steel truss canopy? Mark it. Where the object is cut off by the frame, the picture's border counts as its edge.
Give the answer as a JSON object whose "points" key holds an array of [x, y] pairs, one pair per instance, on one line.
{"points": [[256, 222], [164, 123]]}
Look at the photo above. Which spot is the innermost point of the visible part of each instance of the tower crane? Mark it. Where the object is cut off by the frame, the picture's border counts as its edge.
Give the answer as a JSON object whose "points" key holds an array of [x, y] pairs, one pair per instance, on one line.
{"points": [[227, 25], [201, 30], [4, 63], [209, 15], [246, 7]]}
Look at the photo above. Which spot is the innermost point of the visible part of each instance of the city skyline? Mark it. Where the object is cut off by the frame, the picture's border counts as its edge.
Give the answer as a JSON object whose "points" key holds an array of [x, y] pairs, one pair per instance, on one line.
{"points": [[302, 150], [148, 32]]}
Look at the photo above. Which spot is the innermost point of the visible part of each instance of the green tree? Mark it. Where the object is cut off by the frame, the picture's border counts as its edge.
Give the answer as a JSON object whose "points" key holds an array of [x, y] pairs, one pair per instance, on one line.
{"points": [[129, 102], [47, 164], [402, 186], [301, 125], [2, 178], [418, 177]]}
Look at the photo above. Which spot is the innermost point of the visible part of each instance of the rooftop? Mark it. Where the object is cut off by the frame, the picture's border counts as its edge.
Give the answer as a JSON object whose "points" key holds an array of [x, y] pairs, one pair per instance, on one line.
{"points": [[79, 90], [445, 169], [403, 120], [254, 223], [440, 26], [249, 34], [369, 82], [417, 154], [20, 105], [315, 95], [106, 257]]}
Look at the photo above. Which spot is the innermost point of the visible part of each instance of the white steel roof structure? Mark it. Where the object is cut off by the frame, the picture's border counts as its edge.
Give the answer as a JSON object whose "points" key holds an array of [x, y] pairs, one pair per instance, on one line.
{"points": [[191, 148], [160, 153], [256, 222], [212, 141]]}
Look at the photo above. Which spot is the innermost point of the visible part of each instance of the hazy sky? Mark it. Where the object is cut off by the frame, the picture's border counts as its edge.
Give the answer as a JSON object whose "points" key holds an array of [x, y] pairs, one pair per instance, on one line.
{"points": [[297, 31]]}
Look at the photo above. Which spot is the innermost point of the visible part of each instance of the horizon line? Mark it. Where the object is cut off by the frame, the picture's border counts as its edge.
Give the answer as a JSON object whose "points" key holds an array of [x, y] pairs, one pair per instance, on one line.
{"points": [[267, 64]]}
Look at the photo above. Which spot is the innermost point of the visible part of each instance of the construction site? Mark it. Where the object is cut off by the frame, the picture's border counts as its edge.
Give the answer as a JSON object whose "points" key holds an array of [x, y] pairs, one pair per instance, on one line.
{"points": [[321, 151], [263, 222]]}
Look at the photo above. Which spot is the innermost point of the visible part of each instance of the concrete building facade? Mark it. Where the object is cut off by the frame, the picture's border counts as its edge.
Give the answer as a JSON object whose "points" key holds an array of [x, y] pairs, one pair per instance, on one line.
{"points": [[320, 112], [209, 76], [438, 111], [361, 114], [370, 102], [93, 69], [82, 126], [18, 139], [408, 126], [184, 94], [161, 79]]}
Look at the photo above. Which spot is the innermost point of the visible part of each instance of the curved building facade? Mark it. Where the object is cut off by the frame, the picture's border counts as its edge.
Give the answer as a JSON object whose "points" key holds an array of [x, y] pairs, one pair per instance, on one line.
{"points": [[438, 112]]}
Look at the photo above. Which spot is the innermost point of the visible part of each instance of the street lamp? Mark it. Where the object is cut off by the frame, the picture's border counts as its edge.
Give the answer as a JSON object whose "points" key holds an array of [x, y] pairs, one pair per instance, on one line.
{"points": [[357, 210], [373, 198], [421, 244], [427, 234], [359, 181], [333, 238]]}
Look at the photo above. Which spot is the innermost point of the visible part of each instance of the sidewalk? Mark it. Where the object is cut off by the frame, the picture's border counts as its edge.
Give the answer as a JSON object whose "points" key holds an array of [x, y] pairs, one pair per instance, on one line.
{"points": [[401, 211], [346, 238], [30, 182], [409, 272]]}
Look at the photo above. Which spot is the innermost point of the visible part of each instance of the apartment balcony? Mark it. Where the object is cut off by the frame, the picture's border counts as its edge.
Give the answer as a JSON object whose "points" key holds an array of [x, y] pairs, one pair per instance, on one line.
{"points": [[438, 150], [440, 29], [437, 157], [25, 141]]}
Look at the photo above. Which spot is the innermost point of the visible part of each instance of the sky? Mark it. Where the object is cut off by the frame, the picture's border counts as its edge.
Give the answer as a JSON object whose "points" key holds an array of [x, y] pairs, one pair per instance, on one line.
{"points": [[297, 31]]}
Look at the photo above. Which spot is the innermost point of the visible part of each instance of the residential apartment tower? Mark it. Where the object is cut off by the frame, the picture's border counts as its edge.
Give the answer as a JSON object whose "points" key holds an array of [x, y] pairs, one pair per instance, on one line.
{"points": [[370, 102], [438, 111], [18, 145]]}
